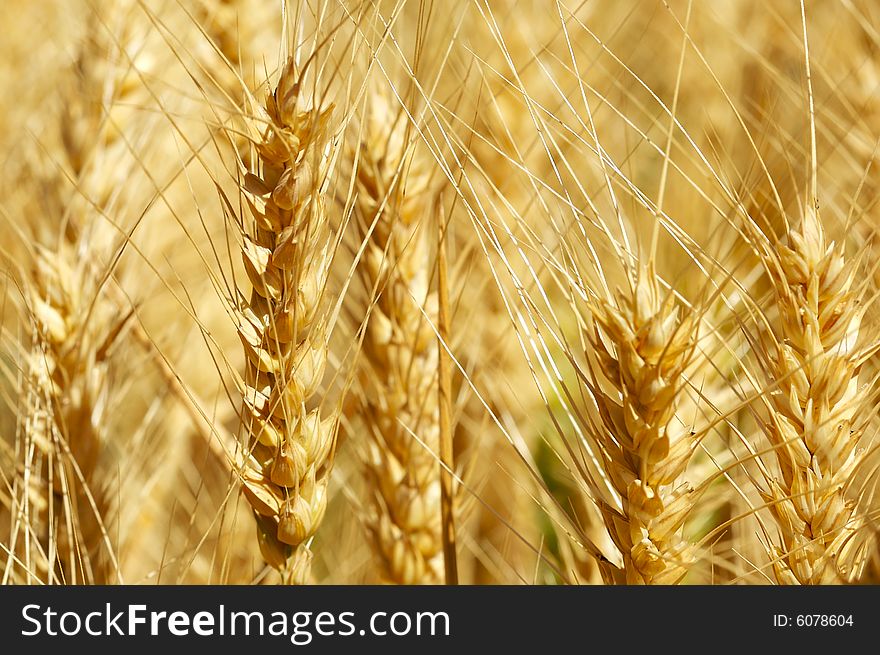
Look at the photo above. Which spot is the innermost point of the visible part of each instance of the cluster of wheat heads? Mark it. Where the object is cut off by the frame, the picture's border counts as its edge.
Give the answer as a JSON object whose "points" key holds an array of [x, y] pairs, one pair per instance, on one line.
{"points": [[513, 292]]}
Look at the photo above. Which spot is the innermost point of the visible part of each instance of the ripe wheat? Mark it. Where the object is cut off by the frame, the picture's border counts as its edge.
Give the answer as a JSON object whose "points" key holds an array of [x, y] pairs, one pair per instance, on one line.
{"points": [[286, 253], [644, 344], [401, 351], [815, 411]]}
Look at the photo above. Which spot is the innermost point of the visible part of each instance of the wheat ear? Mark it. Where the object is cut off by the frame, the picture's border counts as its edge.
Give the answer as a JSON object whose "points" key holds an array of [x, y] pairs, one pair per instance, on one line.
{"points": [[66, 406], [399, 376], [644, 343], [287, 253], [814, 404], [232, 27], [75, 324]]}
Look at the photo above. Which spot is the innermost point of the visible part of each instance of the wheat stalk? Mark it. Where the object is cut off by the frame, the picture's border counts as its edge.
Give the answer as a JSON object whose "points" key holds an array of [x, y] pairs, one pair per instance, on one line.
{"points": [[400, 373], [644, 343], [286, 254]]}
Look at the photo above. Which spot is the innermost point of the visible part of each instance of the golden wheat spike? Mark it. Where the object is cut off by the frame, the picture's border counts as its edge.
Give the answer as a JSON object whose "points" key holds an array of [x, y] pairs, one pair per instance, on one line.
{"points": [[401, 350], [286, 253]]}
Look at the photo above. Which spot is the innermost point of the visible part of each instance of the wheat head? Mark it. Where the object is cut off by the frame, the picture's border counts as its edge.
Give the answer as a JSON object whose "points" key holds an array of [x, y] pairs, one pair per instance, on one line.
{"points": [[644, 343], [287, 252], [64, 422], [75, 324], [814, 425], [401, 351]]}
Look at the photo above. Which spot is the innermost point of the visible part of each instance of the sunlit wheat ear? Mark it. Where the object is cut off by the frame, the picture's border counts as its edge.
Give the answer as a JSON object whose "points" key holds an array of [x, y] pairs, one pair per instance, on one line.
{"points": [[74, 325], [815, 406], [644, 343], [234, 31], [104, 101], [286, 248], [67, 379], [400, 350]]}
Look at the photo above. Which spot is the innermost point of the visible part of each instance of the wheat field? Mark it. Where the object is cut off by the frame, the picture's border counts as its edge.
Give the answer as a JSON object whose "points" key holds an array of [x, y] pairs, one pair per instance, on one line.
{"points": [[440, 292]]}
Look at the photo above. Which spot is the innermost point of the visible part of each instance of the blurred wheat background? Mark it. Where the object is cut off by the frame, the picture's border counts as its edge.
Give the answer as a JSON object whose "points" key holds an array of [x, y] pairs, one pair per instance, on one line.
{"points": [[426, 292]]}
